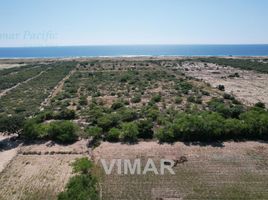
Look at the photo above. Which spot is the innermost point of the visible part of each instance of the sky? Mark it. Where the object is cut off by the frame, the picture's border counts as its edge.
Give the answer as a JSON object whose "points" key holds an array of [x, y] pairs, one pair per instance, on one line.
{"points": [[123, 22]]}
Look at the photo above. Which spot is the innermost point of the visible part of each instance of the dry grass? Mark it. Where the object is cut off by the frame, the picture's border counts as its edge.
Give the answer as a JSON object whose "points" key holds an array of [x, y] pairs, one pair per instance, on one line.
{"points": [[35, 177], [235, 171]]}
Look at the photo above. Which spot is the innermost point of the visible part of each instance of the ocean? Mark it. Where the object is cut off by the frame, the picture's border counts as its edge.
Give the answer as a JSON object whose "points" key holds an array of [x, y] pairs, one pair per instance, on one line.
{"points": [[134, 50]]}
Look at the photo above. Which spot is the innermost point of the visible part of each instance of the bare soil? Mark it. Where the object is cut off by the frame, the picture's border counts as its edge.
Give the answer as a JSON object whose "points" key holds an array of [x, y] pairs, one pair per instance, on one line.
{"points": [[250, 87]]}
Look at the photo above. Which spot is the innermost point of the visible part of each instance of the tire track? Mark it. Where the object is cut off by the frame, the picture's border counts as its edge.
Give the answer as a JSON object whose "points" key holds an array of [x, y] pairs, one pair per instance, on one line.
{"points": [[6, 91]]}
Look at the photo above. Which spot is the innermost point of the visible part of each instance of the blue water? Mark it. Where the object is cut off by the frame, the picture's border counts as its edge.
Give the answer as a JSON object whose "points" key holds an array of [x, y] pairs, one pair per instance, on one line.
{"points": [[135, 50]]}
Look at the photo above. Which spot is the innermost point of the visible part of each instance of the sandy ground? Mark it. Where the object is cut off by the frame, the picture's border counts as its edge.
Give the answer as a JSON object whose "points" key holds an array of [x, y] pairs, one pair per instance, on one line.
{"points": [[45, 148], [250, 87], [6, 155], [217, 171], [37, 171], [36, 177], [6, 66]]}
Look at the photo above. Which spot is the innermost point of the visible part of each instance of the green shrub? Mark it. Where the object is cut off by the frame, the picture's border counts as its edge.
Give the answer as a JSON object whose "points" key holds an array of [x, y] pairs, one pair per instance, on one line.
{"points": [[63, 131], [80, 187], [156, 98], [234, 129], [126, 114], [165, 134], [221, 87], [11, 124], [260, 105], [136, 99], [178, 100], [228, 96], [129, 132], [113, 135], [94, 131], [83, 101], [145, 129], [118, 104], [107, 121], [66, 115], [82, 165]]}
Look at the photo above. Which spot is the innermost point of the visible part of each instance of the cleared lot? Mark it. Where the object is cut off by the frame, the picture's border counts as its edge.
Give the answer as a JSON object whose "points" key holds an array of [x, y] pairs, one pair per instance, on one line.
{"points": [[229, 171], [35, 177]]}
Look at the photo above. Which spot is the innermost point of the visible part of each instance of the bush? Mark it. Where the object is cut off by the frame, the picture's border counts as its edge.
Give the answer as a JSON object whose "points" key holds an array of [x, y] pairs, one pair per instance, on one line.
{"points": [[165, 134], [156, 98], [113, 135], [233, 129], [126, 115], [183, 87], [228, 96], [136, 99], [82, 165], [80, 187], [221, 87], [145, 129], [260, 105], [118, 104], [129, 132], [63, 131], [178, 100], [11, 124], [83, 101], [32, 130], [66, 115], [107, 121], [94, 131]]}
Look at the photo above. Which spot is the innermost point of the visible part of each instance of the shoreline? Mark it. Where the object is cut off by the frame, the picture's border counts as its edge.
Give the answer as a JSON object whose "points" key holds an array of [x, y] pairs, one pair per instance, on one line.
{"points": [[172, 57]]}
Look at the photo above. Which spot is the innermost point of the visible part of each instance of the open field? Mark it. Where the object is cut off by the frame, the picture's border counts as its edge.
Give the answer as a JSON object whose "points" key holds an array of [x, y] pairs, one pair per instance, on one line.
{"points": [[37, 171], [249, 87], [35, 177], [230, 171]]}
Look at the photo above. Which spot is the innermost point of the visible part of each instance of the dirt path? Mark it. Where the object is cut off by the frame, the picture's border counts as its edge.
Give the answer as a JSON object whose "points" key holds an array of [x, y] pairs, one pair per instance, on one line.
{"points": [[57, 89], [5, 92]]}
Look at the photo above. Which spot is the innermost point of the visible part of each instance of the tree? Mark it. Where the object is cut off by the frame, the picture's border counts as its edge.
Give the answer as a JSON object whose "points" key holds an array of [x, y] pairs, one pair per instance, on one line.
{"points": [[129, 132]]}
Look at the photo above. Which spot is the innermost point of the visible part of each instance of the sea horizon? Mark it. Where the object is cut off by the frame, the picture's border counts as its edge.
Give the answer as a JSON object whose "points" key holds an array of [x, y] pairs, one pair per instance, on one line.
{"points": [[136, 50]]}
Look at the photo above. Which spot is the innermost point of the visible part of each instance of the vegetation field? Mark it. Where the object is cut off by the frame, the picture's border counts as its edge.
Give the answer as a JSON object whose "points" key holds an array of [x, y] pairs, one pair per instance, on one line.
{"points": [[176, 108]]}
